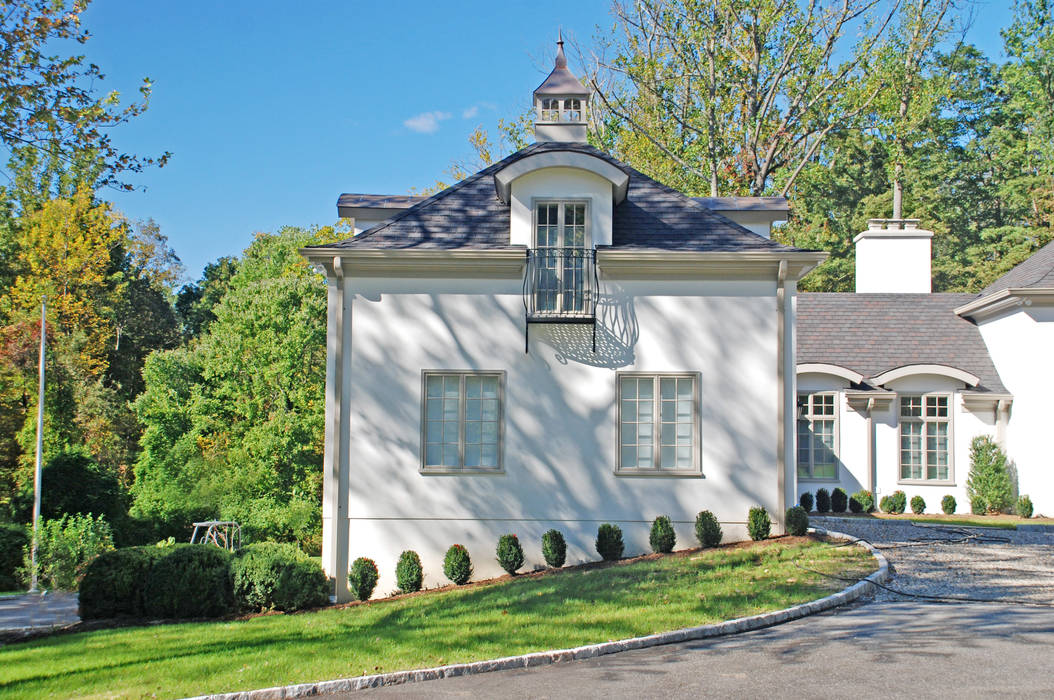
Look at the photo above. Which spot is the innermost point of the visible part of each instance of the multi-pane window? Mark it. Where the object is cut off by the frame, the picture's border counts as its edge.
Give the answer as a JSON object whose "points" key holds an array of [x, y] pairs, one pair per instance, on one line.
{"points": [[924, 443], [555, 109], [817, 426], [560, 248], [462, 421], [658, 423]]}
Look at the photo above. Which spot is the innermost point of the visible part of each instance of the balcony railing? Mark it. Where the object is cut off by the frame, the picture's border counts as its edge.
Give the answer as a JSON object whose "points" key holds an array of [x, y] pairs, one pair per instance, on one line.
{"points": [[560, 285]]}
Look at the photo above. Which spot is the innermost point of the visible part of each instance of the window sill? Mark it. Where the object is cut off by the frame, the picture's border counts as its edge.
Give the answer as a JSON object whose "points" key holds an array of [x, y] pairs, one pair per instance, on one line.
{"points": [[682, 474], [821, 479], [432, 471], [925, 482]]}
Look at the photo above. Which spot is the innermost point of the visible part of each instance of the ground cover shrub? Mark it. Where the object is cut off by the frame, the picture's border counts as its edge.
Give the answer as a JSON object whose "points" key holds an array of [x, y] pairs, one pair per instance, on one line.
{"points": [[13, 539], [989, 477], [797, 521], [409, 574], [823, 501], [758, 523], [554, 548], [114, 583], [274, 576], [978, 506], [918, 504], [191, 580], [510, 553], [1024, 507], [805, 501], [948, 504], [894, 503], [64, 548], [362, 578], [839, 500], [707, 529], [609, 542], [662, 537], [457, 565], [865, 502]]}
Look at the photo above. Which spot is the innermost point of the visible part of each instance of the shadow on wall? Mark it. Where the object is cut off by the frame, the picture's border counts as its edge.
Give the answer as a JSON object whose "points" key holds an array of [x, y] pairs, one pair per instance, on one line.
{"points": [[617, 332]]}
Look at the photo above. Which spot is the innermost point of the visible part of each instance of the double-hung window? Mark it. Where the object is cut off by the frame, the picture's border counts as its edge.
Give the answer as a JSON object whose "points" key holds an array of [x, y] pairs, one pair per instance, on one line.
{"points": [[462, 421], [658, 423], [925, 427], [817, 433], [560, 247]]}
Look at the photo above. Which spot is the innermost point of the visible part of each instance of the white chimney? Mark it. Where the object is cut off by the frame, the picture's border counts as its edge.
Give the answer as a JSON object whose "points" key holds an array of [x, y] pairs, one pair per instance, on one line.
{"points": [[893, 255]]}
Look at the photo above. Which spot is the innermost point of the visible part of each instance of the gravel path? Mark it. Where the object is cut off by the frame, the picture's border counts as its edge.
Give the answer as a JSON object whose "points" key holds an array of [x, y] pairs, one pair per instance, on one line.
{"points": [[955, 561]]}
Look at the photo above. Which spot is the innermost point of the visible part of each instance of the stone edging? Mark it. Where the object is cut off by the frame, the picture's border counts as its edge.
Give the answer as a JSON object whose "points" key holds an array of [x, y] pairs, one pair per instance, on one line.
{"points": [[544, 658]]}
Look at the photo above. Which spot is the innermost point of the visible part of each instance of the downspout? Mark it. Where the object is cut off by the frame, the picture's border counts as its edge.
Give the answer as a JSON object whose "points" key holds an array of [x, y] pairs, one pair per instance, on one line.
{"points": [[1002, 417], [872, 478], [781, 378]]}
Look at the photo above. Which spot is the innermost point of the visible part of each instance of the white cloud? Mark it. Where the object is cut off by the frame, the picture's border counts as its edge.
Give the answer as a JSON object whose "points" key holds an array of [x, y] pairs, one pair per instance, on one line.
{"points": [[470, 112], [426, 122]]}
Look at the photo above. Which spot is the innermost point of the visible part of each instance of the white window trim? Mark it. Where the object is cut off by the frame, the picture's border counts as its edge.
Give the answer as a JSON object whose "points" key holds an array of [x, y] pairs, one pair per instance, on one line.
{"points": [[587, 238], [462, 470], [697, 468], [950, 481], [563, 111], [837, 448]]}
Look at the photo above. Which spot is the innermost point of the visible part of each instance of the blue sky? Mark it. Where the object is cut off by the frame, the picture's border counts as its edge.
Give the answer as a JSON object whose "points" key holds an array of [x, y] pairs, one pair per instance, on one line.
{"points": [[272, 109]]}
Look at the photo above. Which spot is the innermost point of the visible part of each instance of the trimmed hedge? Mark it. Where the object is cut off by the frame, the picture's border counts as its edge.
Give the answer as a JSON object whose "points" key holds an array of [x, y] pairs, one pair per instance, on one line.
{"points": [[457, 565], [948, 504], [894, 503], [806, 502], [918, 504], [273, 576], [823, 501], [862, 502], [797, 521], [1024, 507], [759, 525], [510, 553], [191, 581], [362, 578], [662, 537], [554, 548], [707, 529], [13, 538], [839, 500], [409, 574], [609, 542], [114, 583]]}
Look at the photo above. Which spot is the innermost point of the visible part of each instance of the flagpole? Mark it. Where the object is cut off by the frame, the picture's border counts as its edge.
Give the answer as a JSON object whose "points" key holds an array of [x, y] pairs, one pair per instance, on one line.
{"points": [[40, 447]]}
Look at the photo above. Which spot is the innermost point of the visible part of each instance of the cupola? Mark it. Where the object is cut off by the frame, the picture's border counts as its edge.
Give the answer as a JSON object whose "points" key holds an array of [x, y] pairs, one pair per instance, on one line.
{"points": [[560, 104]]}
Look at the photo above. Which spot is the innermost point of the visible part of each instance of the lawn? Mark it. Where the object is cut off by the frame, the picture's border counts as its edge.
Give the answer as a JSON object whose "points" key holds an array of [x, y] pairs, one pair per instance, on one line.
{"points": [[1001, 521], [529, 613]]}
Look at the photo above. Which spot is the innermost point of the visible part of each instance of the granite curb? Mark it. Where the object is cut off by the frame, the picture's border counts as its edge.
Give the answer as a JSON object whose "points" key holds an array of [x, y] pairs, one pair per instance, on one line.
{"points": [[543, 658]]}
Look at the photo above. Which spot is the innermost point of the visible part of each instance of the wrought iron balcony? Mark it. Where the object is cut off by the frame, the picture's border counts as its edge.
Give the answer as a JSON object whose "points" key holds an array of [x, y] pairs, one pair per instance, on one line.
{"points": [[560, 285]]}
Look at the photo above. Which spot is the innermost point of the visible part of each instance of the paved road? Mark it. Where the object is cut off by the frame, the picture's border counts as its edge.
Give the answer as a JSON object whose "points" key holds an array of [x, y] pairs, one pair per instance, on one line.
{"points": [[21, 611], [878, 649]]}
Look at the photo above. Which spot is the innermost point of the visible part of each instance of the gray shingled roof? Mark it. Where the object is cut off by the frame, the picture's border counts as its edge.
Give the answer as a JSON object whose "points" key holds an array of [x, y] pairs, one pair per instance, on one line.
{"points": [[874, 333], [379, 201], [470, 215], [744, 203], [1036, 272]]}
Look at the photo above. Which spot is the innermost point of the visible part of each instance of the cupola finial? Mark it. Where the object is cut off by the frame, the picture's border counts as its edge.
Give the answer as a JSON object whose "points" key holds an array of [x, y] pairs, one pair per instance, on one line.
{"points": [[561, 60]]}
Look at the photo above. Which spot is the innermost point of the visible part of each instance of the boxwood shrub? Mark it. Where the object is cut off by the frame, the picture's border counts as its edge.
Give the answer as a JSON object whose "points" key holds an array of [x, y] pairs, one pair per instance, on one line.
{"points": [[13, 538], [1024, 507], [273, 576], [839, 500], [805, 501], [823, 501], [510, 553], [190, 581], [362, 578], [758, 523], [457, 565], [609, 542], [978, 505], [114, 583], [918, 504], [554, 548], [409, 574], [948, 504], [707, 529], [662, 537], [797, 521], [894, 503]]}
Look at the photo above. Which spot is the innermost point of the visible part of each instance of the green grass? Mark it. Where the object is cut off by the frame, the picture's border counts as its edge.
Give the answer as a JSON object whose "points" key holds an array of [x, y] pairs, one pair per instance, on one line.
{"points": [[561, 610]]}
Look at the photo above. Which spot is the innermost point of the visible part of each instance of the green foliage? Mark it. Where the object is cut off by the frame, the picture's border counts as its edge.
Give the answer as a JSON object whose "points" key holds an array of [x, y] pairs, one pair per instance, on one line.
{"points": [[797, 521], [989, 478], [13, 538], [806, 501], [758, 523], [978, 506], [609, 543], [554, 548], [918, 504], [75, 484], [1024, 507], [662, 537], [839, 500], [457, 565], [65, 546], [948, 504], [191, 581], [894, 503], [409, 574], [823, 501], [707, 529], [114, 583], [274, 576], [862, 502], [510, 553], [362, 578]]}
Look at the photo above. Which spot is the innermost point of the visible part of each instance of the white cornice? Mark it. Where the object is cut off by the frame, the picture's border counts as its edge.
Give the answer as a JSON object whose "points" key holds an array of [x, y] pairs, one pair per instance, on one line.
{"points": [[872, 400], [380, 262], [645, 264], [981, 402], [996, 302], [834, 370], [940, 370], [561, 159]]}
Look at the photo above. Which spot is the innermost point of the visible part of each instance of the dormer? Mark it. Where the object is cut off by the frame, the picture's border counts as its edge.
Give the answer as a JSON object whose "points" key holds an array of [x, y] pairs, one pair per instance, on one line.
{"points": [[561, 104]]}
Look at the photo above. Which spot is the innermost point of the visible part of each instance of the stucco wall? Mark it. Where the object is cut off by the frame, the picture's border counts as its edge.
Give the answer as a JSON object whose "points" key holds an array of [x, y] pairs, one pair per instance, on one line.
{"points": [[562, 184], [560, 415], [1021, 344]]}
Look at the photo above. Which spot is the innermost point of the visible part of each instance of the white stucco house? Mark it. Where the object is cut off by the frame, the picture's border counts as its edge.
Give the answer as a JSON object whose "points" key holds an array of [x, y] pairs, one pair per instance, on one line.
{"points": [[559, 341]]}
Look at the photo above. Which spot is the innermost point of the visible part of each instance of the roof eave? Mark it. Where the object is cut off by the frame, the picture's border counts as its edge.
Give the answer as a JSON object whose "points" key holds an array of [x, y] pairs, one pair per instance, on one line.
{"points": [[1004, 299], [645, 263]]}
